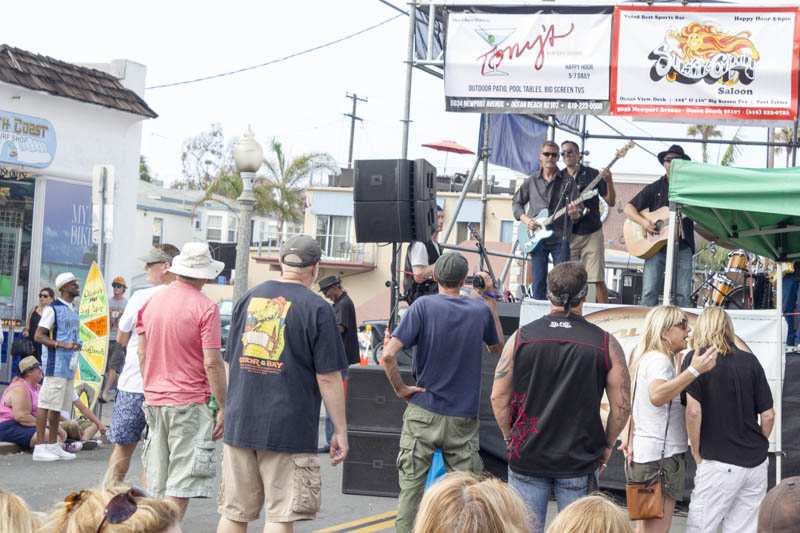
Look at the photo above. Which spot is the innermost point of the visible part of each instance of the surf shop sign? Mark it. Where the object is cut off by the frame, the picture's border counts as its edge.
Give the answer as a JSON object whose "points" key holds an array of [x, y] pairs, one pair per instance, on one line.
{"points": [[26, 141]]}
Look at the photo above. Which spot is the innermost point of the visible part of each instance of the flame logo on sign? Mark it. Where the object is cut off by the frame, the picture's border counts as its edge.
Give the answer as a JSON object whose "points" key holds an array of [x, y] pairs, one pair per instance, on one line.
{"points": [[701, 51]]}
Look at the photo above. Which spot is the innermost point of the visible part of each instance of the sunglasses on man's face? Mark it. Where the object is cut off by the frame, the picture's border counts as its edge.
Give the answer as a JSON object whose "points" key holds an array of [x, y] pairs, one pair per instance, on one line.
{"points": [[565, 153], [117, 286], [549, 154], [44, 295]]}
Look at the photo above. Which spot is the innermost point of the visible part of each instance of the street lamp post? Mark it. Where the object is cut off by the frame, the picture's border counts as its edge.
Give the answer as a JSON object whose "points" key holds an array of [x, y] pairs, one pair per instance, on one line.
{"points": [[248, 156]]}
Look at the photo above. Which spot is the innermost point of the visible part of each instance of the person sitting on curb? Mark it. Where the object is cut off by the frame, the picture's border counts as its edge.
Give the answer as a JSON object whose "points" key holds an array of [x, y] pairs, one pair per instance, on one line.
{"points": [[18, 406]]}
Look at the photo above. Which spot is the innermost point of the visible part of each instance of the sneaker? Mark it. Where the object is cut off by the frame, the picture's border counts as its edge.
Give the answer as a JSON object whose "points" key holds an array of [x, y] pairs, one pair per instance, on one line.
{"points": [[43, 452], [73, 446], [62, 453]]}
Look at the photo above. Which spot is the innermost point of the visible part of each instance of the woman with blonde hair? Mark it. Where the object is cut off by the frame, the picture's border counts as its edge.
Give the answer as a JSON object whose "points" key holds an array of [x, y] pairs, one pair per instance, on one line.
{"points": [[112, 510], [591, 514], [15, 517], [460, 502], [729, 444], [658, 427]]}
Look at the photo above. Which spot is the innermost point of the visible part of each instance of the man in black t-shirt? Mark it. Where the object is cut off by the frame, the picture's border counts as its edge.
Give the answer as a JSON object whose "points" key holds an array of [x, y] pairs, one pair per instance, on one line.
{"points": [[420, 258], [284, 355], [653, 197], [546, 397], [345, 311], [729, 445], [586, 243]]}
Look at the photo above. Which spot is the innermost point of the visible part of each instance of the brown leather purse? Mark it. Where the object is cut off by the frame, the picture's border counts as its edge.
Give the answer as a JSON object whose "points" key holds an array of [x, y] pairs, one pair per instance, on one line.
{"points": [[644, 498]]}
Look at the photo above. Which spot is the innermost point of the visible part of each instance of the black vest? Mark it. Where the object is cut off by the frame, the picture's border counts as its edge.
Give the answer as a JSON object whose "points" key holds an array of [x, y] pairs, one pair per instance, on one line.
{"points": [[560, 367], [411, 288]]}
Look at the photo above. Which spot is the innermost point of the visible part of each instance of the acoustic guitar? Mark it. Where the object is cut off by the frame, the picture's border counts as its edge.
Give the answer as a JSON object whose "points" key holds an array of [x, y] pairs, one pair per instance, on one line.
{"points": [[528, 240], [638, 242]]}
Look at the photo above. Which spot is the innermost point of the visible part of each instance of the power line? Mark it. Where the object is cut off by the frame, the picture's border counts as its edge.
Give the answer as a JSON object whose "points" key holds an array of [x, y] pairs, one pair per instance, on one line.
{"points": [[273, 61]]}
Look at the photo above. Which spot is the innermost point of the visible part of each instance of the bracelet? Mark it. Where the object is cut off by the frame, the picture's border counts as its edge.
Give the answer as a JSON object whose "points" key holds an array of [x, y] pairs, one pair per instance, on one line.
{"points": [[694, 371]]}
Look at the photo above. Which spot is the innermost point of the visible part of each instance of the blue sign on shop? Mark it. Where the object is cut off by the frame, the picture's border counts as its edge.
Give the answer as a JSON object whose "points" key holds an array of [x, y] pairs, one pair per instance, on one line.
{"points": [[26, 141]]}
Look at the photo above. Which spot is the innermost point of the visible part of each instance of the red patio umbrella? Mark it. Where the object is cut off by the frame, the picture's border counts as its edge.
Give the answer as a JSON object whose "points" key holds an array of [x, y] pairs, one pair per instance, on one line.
{"points": [[448, 147]]}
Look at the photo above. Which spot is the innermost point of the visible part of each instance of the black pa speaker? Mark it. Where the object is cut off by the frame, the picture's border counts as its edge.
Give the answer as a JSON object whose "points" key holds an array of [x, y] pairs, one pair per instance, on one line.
{"points": [[371, 465], [394, 200], [372, 405]]}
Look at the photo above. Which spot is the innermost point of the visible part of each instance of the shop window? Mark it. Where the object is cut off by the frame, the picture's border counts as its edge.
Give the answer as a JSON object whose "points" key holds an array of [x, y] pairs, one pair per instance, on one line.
{"points": [[507, 231], [158, 231]]}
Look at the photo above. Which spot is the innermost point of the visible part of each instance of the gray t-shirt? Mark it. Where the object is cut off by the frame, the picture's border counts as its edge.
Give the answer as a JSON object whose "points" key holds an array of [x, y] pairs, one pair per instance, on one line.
{"points": [[115, 310]]}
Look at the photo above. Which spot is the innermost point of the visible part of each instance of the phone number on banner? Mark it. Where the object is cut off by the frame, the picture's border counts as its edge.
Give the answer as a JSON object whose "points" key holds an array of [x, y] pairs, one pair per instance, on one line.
{"points": [[507, 105]]}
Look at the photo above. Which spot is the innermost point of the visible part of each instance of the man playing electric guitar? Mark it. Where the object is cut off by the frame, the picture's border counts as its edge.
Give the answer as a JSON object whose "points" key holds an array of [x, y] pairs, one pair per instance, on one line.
{"points": [[652, 197], [420, 258], [547, 190], [586, 244]]}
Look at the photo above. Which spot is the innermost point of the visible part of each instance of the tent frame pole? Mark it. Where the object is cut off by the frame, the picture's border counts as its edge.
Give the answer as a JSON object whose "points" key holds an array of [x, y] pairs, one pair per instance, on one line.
{"points": [[778, 429], [669, 267]]}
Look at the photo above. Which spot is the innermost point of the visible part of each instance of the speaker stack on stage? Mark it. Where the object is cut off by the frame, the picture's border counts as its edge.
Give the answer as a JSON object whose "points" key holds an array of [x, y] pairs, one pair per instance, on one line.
{"points": [[374, 422], [394, 199]]}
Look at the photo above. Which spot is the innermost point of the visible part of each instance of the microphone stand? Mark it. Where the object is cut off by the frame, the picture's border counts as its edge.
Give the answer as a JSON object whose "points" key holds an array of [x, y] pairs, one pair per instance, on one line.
{"points": [[564, 251]]}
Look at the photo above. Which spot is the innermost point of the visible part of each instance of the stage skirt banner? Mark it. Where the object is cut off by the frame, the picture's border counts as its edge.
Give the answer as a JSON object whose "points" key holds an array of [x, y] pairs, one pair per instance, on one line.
{"points": [[757, 331], [705, 63], [528, 60]]}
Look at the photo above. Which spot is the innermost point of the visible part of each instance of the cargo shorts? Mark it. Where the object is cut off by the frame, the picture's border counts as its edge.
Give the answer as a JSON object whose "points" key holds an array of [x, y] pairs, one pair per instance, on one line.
{"points": [[288, 485], [179, 456]]}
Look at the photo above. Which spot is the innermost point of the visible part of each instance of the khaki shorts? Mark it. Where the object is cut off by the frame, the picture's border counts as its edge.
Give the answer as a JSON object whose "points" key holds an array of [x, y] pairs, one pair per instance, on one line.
{"points": [[590, 251], [674, 480], [56, 394], [289, 485], [179, 456]]}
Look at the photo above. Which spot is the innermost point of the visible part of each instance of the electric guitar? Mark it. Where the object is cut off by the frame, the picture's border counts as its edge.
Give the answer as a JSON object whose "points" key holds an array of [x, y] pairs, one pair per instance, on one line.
{"points": [[528, 240]]}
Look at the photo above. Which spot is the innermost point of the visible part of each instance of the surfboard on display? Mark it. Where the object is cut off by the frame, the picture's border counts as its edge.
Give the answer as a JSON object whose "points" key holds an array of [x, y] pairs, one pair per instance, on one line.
{"points": [[93, 336]]}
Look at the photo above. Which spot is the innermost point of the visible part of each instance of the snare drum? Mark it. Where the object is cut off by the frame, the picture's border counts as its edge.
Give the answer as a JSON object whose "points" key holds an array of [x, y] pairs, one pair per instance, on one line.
{"points": [[737, 262], [721, 286]]}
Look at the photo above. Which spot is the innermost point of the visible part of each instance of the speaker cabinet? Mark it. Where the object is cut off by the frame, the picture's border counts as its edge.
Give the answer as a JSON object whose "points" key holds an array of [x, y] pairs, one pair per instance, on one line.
{"points": [[371, 465], [394, 200], [372, 405]]}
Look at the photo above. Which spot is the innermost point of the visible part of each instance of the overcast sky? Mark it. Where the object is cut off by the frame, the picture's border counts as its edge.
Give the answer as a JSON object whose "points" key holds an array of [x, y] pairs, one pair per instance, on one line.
{"points": [[300, 101]]}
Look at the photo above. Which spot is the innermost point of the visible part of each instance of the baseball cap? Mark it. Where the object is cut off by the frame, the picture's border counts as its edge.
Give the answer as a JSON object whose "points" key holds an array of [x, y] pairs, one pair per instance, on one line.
{"points": [[156, 255], [451, 268], [780, 508], [119, 280], [28, 363], [64, 278], [300, 251]]}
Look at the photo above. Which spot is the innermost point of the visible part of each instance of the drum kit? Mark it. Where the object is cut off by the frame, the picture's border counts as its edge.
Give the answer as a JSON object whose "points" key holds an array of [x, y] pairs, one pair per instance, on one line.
{"points": [[744, 284]]}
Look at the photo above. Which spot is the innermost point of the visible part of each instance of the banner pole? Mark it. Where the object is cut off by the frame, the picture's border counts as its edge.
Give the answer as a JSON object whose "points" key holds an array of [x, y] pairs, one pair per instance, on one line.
{"points": [[412, 20], [464, 189]]}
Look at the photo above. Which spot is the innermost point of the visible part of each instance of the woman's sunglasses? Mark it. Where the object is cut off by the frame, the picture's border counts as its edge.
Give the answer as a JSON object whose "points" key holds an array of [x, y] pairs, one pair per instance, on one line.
{"points": [[119, 508]]}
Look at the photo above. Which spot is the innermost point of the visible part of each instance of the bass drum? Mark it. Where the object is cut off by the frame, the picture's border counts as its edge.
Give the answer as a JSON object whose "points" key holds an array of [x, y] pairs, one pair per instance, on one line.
{"points": [[720, 288]]}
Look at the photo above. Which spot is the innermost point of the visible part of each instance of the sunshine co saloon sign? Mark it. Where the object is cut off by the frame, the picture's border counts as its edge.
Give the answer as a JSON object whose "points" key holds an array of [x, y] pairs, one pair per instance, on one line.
{"points": [[705, 63], [528, 61]]}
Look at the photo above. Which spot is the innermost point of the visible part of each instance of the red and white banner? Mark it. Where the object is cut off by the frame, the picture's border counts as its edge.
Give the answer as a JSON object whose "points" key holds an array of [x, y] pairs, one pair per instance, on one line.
{"points": [[705, 63], [553, 60]]}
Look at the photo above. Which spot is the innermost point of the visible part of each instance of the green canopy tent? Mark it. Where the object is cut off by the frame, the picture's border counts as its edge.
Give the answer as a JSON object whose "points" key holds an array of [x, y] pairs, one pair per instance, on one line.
{"points": [[757, 210], [754, 209]]}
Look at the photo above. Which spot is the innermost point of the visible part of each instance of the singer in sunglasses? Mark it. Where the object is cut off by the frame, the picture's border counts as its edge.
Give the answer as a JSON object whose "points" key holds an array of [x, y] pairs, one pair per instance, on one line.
{"points": [[548, 188]]}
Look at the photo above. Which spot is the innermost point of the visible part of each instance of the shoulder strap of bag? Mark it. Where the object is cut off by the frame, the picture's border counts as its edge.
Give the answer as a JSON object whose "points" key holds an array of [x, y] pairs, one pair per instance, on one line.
{"points": [[630, 420], [630, 423]]}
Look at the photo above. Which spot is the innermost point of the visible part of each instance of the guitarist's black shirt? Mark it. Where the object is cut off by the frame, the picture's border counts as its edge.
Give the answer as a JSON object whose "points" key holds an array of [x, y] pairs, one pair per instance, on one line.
{"points": [[537, 194], [655, 196], [590, 222]]}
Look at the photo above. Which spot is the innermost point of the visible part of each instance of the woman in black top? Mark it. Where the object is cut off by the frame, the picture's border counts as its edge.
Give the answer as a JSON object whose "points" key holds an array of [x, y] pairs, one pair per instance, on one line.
{"points": [[46, 296]]}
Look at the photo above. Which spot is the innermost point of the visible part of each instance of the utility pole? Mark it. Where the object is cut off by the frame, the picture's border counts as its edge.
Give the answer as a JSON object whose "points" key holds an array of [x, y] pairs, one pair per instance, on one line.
{"points": [[353, 118]]}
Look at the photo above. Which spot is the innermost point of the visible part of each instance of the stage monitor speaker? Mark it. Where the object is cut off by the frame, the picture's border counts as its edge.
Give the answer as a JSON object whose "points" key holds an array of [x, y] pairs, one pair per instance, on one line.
{"points": [[631, 290], [372, 405], [370, 468], [424, 180]]}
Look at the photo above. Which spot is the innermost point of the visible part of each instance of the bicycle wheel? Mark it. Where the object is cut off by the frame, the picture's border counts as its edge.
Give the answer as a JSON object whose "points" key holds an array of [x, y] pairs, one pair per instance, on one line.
{"points": [[739, 298]]}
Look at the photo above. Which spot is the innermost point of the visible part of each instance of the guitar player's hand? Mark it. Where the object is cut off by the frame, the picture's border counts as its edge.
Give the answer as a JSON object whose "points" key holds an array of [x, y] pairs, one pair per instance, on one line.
{"points": [[574, 211], [531, 223], [651, 228], [606, 174]]}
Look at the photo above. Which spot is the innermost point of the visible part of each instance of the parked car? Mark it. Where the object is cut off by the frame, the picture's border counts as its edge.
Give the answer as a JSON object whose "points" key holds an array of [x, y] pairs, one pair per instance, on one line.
{"points": [[225, 313]]}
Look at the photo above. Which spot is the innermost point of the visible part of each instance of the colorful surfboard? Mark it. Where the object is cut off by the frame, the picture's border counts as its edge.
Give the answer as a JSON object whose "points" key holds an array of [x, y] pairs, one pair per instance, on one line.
{"points": [[93, 312]]}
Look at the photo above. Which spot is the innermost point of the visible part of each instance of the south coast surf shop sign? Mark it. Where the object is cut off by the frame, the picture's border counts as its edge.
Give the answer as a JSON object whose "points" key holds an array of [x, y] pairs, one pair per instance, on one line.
{"points": [[528, 60], [726, 63]]}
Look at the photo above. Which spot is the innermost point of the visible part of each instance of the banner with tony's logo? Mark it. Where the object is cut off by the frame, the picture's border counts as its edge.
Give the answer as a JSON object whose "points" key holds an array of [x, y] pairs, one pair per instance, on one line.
{"points": [[705, 63], [528, 60]]}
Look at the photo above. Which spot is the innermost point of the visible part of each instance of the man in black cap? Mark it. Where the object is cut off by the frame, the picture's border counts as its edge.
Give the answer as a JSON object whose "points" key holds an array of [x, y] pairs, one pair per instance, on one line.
{"points": [[345, 311], [780, 509], [448, 331], [652, 197], [284, 355]]}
